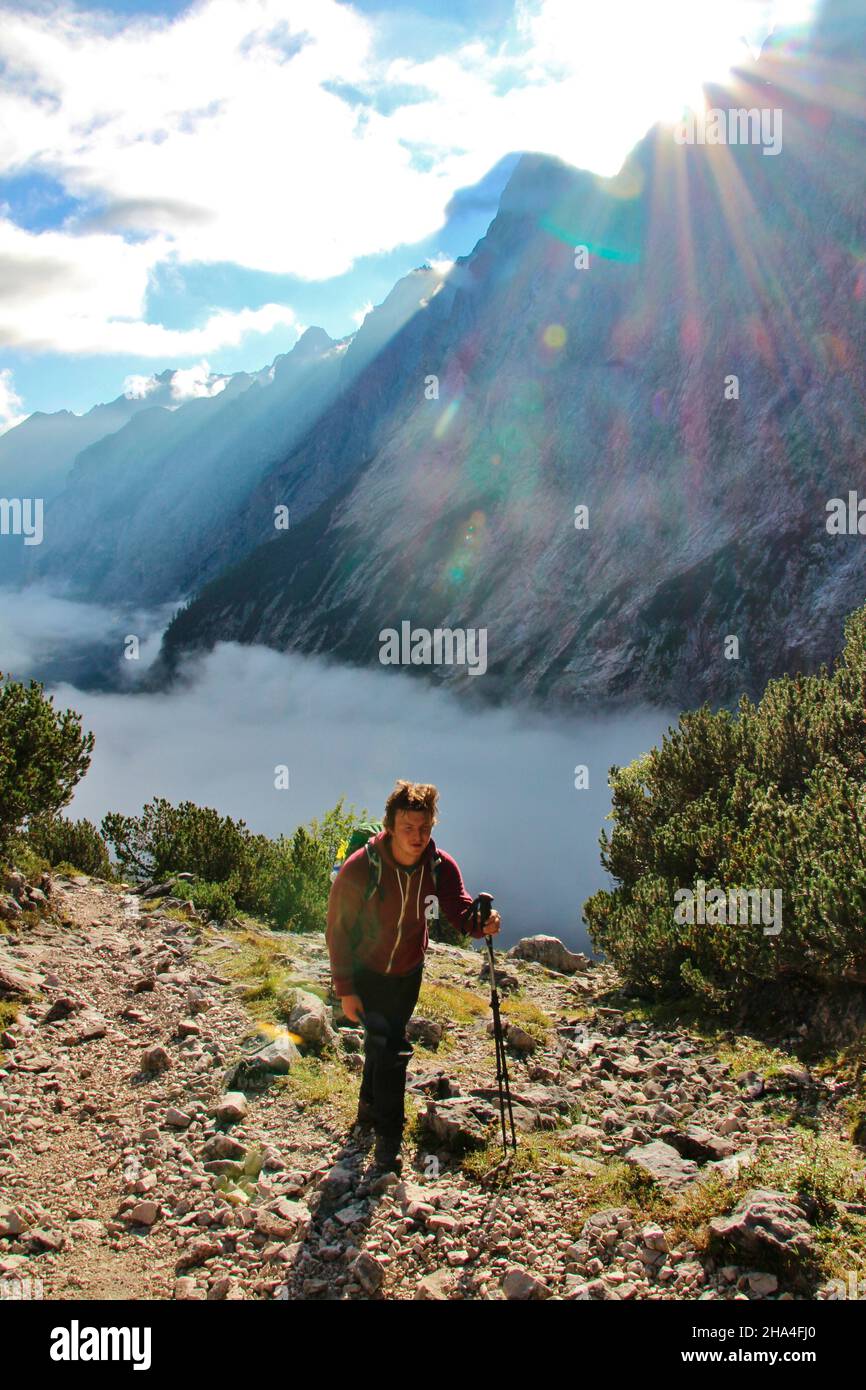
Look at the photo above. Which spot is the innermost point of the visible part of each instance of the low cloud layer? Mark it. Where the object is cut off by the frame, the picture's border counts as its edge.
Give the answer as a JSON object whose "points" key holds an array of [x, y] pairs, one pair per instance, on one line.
{"points": [[510, 813], [47, 637]]}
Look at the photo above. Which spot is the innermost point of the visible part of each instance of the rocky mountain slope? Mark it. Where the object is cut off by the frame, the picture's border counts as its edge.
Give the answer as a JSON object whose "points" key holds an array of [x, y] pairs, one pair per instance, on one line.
{"points": [[699, 388], [168, 496], [161, 1137], [151, 510], [36, 456]]}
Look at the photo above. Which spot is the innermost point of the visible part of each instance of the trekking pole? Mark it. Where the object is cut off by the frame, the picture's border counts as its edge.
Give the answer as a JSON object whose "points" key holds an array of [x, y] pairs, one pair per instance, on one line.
{"points": [[482, 906]]}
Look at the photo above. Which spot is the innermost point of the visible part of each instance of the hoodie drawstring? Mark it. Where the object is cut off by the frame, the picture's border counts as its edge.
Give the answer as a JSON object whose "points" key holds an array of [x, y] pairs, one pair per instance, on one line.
{"points": [[404, 898]]}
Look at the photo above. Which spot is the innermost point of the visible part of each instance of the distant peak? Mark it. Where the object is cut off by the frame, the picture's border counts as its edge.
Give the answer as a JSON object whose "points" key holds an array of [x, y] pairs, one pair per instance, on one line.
{"points": [[311, 343], [535, 180]]}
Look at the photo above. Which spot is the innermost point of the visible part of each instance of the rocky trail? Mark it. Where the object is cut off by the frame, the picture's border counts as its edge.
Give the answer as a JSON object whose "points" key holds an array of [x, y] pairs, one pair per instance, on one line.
{"points": [[162, 1137]]}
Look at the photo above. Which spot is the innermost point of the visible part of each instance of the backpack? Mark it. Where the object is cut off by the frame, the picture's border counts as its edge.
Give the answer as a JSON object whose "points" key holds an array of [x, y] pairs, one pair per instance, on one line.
{"points": [[360, 838]]}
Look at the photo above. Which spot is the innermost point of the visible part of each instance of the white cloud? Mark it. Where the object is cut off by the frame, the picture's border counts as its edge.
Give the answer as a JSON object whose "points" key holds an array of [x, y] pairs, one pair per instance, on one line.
{"points": [[136, 387], [196, 381], [10, 403], [44, 635], [88, 294], [360, 314], [250, 158]]}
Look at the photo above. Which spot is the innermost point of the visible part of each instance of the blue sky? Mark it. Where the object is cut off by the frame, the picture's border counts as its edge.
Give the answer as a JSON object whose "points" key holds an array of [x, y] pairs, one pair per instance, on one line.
{"points": [[159, 211]]}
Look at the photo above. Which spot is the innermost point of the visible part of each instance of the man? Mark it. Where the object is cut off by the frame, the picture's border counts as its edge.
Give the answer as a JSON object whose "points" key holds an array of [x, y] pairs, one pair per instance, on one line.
{"points": [[377, 942]]}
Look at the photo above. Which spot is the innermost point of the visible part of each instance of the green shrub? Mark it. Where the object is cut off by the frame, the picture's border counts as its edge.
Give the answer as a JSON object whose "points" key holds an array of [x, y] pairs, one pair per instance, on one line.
{"points": [[43, 754], [20, 854], [773, 797], [286, 880], [214, 898], [168, 839], [299, 878], [75, 842]]}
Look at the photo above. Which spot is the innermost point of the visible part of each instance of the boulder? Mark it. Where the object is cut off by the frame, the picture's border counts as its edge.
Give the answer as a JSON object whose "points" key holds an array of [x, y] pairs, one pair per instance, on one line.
{"points": [[198, 1253], [155, 1059], [761, 1283], [518, 1038], [16, 983], [460, 1123], [368, 1272], [224, 1146], [15, 883], [157, 890], [698, 1143], [224, 1168], [732, 1166], [43, 1238], [310, 1018], [62, 1007], [550, 952], [425, 1031], [654, 1237], [519, 1285], [439, 1086], [233, 1106], [435, 1287], [12, 1223], [143, 1213], [254, 1069], [276, 1056], [663, 1164], [766, 1221]]}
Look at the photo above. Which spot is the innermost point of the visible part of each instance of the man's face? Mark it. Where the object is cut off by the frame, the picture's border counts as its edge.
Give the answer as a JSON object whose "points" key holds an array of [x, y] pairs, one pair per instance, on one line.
{"points": [[410, 835]]}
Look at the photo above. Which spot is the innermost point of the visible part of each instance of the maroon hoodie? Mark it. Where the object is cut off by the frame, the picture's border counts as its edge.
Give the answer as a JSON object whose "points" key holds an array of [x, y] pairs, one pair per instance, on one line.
{"points": [[388, 933]]}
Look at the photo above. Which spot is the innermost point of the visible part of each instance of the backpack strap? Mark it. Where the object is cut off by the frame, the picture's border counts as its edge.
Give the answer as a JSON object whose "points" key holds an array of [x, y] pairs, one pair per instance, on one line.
{"points": [[374, 872], [435, 927]]}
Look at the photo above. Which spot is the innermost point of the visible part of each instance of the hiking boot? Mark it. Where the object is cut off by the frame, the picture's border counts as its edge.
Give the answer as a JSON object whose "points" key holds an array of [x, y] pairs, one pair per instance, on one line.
{"points": [[386, 1155]]}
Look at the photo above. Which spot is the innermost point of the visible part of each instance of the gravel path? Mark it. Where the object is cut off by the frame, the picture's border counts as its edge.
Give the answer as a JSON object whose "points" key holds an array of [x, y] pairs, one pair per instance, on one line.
{"points": [[113, 1145]]}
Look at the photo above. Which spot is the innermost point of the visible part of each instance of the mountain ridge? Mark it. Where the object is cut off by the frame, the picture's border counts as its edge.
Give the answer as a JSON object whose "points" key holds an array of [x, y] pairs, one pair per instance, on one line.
{"points": [[698, 491]]}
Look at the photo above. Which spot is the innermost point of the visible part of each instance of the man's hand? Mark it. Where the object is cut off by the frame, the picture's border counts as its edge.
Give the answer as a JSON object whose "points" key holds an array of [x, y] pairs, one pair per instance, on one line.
{"points": [[352, 1007], [491, 926]]}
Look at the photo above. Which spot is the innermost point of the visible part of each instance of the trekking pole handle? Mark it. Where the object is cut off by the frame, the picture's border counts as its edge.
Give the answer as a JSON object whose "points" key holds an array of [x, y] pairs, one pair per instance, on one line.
{"points": [[482, 906]]}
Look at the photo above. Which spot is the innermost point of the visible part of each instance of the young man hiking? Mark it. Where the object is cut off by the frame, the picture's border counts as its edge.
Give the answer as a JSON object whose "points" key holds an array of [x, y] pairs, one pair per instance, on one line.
{"points": [[379, 911]]}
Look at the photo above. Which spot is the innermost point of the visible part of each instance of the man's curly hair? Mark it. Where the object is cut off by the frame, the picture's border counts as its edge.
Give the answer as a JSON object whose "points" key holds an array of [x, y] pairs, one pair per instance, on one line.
{"points": [[411, 796]]}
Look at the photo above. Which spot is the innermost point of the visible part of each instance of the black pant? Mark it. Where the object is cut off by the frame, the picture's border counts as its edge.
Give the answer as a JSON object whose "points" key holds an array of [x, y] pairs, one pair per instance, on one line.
{"points": [[388, 1002]]}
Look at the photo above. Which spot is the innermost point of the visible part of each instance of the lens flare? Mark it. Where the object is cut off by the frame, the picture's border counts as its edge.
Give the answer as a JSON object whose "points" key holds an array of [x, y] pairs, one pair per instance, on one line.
{"points": [[446, 419], [555, 336]]}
